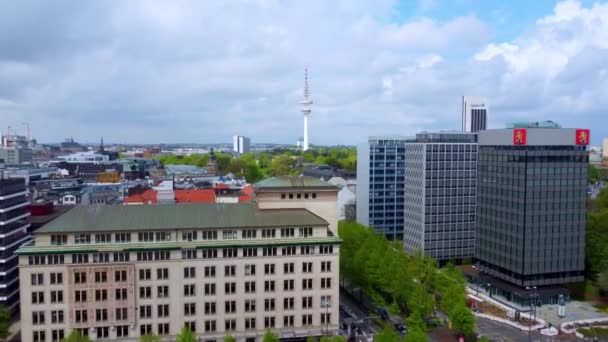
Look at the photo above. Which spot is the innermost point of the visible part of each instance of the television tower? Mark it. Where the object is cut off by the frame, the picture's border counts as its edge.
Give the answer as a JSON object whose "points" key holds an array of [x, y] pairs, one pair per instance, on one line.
{"points": [[306, 102]]}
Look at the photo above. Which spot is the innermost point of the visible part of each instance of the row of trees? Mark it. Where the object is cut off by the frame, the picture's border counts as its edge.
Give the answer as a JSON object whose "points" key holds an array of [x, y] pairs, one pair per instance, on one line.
{"points": [[257, 166], [409, 284], [597, 241]]}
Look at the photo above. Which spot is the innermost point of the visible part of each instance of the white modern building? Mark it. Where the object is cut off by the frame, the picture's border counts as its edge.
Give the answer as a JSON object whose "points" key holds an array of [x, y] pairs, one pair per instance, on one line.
{"points": [[474, 114], [85, 157], [241, 144]]}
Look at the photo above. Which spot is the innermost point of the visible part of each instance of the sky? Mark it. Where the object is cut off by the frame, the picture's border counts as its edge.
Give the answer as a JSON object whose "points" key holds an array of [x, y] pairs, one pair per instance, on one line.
{"points": [[201, 71]]}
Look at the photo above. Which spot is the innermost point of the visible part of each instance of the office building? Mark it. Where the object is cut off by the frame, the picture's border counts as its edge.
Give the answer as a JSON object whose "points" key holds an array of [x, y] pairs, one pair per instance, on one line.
{"points": [[440, 190], [15, 156], [119, 272], [241, 144], [531, 207], [605, 149], [13, 230], [381, 185], [474, 114]]}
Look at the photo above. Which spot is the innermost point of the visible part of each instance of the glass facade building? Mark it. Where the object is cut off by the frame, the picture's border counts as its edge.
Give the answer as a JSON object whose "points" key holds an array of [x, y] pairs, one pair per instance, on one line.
{"points": [[531, 205], [440, 189], [381, 185]]}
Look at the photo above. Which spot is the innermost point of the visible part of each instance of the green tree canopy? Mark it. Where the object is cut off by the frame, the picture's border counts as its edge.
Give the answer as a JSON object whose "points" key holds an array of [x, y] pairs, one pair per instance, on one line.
{"points": [[186, 335], [229, 338], [462, 319], [270, 336], [5, 321], [75, 336], [280, 165]]}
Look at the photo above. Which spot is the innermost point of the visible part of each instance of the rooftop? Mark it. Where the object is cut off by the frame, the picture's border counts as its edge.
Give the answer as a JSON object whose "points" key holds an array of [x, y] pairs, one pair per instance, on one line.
{"points": [[101, 218], [290, 182]]}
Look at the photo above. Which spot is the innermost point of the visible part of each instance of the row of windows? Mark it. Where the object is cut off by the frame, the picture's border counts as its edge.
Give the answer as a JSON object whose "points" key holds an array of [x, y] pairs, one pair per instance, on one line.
{"points": [[299, 195]]}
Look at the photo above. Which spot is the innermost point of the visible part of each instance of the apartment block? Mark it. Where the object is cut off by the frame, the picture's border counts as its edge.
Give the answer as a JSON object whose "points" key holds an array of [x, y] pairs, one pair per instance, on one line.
{"points": [[120, 272]]}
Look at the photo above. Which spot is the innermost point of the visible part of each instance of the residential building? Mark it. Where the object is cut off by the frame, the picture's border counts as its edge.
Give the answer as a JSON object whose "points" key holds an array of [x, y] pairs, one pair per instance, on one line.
{"points": [[13, 232], [440, 190], [381, 185], [15, 156], [120, 272], [531, 209], [474, 114], [241, 144], [309, 193]]}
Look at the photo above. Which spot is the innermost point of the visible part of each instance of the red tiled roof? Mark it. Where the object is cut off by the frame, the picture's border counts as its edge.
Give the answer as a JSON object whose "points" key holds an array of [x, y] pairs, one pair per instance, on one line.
{"points": [[246, 194], [144, 197], [195, 196]]}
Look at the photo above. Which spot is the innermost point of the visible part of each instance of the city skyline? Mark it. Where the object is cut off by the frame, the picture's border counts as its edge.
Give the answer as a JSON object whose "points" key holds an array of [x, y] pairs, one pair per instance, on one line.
{"points": [[143, 72]]}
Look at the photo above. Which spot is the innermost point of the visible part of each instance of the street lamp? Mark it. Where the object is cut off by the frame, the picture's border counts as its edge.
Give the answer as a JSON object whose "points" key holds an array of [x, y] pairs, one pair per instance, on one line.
{"points": [[326, 303], [532, 307]]}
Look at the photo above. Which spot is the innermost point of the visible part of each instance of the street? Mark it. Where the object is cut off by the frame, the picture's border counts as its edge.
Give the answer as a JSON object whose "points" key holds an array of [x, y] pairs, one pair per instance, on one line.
{"points": [[505, 333]]}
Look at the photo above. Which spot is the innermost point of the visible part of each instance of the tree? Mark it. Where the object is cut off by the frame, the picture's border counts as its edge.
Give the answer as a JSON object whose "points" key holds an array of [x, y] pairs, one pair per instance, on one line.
{"points": [[330, 339], [229, 338], [462, 319], [416, 335], [387, 334], [149, 338], [5, 321], [75, 336], [280, 165], [270, 336], [186, 335], [602, 281], [310, 339]]}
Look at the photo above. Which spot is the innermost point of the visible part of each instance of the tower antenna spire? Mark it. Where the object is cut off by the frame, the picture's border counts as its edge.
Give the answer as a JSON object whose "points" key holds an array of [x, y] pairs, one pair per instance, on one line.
{"points": [[306, 102]]}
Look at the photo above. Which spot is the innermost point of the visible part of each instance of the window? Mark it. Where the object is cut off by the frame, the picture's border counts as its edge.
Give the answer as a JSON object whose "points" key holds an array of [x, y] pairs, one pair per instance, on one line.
{"points": [[120, 276], [305, 232], [209, 308], [37, 279], [288, 285], [162, 273], [249, 233], [250, 287], [209, 253], [56, 278], [190, 325], [229, 234], [229, 252], [82, 238], [288, 321], [145, 236], [162, 291], [299, 196], [163, 310], [56, 297], [80, 258], [249, 305], [306, 284], [190, 309], [122, 237], [325, 266], [327, 249], [163, 236], [103, 238], [145, 274], [326, 318], [269, 322], [210, 326], [288, 268], [249, 270], [209, 271], [229, 271], [291, 250], [269, 251], [189, 272], [57, 316], [325, 283], [306, 195], [250, 252], [230, 306], [268, 233], [57, 335], [290, 196], [80, 296], [121, 256], [230, 325], [189, 290], [122, 331], [101, 295], [56, 259], [314, 195], [38, 297], [307, 302], [287, 232], [103, 332], [163, 329], [269, 269], [145, 329], [230, 288], [209, 235], [101, 277], [189, 236], [210, 289], [269, 304], [37, 260], [39, 336], [145, 311], [307, 267], [101, 315], [288, 303], [250, 323], [306, 320], [121, 294], [81, 316], [145, 292], [326, 301], [283, 196], [307, 250], [121, 314], [189, 254]]}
